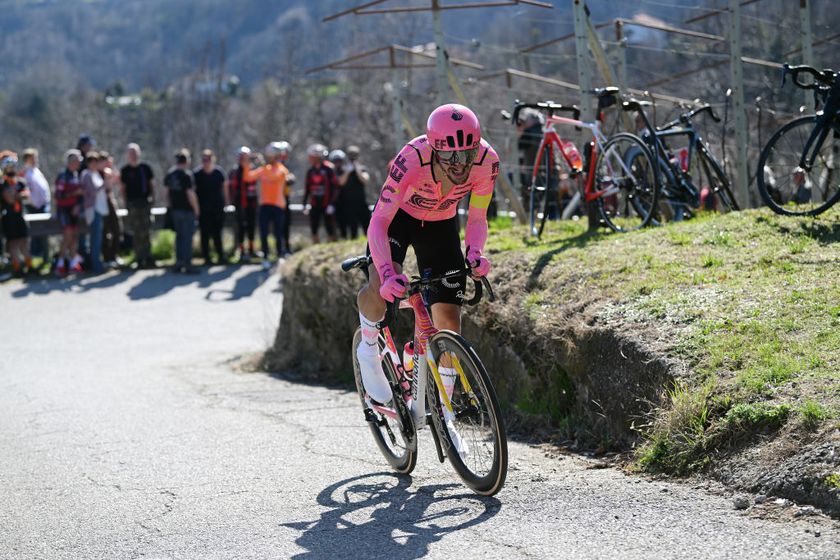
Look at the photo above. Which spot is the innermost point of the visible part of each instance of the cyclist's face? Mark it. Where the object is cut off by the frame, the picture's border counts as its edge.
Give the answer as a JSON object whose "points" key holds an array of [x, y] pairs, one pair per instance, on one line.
{"points": [[456, 164]]}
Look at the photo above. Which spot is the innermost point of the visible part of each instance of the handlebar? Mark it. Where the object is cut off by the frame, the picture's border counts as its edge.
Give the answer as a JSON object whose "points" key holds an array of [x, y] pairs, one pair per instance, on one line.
{"points": [[548, 106], [416, 284], [822, 79], [686, 117]]}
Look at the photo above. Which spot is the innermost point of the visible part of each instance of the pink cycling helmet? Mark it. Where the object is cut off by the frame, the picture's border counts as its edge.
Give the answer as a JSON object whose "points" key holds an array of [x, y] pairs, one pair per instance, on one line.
{"points": [[453, 127]]}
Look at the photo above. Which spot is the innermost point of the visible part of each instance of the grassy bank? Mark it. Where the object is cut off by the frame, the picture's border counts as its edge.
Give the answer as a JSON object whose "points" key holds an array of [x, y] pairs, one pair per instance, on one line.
{"points": [[747, 304]]}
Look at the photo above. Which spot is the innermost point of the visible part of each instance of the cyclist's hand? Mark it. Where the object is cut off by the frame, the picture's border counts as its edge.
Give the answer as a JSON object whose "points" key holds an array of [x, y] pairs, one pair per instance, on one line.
{"points": [[306, 210], [393, 285], [480, 265]]}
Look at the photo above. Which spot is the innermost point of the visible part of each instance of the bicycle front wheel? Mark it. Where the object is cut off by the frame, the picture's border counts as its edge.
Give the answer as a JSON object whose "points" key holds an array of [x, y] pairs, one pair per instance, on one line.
{"points": [[395, 434], [785, 186], [626, 178], [471, 429]]}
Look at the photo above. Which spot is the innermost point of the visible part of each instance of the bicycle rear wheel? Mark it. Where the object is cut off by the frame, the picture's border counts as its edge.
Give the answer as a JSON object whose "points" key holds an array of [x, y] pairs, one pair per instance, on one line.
{"points": [[787, 188], [713, 177], [624, 171], [473, 433], [543, 189], [395, 435]]}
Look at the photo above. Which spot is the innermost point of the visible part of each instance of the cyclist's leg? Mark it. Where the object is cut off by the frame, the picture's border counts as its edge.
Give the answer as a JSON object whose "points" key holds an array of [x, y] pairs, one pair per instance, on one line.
{"points": [[372, 310]]}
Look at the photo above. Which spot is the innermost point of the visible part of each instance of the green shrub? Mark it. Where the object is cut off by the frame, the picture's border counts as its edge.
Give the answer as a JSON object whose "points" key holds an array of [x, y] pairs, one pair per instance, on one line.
{"points": [[163, 246]]}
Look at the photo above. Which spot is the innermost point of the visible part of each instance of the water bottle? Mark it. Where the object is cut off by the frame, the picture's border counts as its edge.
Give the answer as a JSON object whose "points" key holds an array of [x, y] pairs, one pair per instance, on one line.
{"points": [[573, 154], [682, 156]]}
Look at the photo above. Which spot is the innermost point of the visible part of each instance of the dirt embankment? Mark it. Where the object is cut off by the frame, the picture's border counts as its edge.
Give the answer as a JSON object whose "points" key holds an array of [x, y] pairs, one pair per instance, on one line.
{"points": [[559, 371]]}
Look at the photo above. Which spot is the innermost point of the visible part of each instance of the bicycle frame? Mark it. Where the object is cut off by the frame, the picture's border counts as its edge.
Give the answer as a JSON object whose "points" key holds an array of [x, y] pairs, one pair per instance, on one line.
{"points": [[552, 138], [414, 384], [825, 120]]}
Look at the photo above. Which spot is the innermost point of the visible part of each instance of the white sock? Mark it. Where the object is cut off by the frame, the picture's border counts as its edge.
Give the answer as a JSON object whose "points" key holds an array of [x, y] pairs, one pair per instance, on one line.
{"points": [[370, 336], [76, 260]]}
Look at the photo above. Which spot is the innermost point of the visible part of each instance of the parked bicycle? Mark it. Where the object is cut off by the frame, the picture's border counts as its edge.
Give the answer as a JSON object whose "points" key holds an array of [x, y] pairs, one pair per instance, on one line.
{"points": [[467, 427], [799, 167], [684, 173], [624, 191]]}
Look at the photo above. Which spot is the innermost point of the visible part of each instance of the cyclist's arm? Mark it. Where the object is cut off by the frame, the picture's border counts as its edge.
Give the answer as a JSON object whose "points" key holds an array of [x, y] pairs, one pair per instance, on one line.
{"points": [[390, 198], [250, 175], [475, 234]]}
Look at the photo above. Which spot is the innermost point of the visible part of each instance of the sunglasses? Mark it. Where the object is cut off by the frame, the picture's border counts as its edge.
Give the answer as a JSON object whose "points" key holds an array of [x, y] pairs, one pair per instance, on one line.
{"points": [[454, 157]]}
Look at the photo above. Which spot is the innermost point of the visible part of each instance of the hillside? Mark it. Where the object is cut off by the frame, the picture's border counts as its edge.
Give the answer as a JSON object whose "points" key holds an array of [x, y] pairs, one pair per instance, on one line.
{"points": [[705, 346]]}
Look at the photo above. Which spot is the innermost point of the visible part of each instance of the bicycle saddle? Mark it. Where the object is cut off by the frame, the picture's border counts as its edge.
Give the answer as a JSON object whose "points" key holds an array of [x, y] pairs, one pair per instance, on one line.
{"points": [[601, 92], [635, 104]]}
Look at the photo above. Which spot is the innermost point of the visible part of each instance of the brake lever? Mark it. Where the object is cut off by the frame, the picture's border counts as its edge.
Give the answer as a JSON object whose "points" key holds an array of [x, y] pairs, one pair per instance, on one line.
{"points": [[491, 296]]}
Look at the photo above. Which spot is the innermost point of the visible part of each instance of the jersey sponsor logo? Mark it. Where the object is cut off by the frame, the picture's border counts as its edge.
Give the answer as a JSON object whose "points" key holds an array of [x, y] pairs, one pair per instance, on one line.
{"points": [[447, 203], [456, 116], [393, 241], [399, 169], [422, 202], [387, 189], [494, 169]]}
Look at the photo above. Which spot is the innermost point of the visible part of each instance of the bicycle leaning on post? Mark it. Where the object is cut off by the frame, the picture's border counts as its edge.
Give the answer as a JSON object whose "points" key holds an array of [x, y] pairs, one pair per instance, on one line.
{"points": [[624, 191], [466, 424], [799, 167], [693, 165]]}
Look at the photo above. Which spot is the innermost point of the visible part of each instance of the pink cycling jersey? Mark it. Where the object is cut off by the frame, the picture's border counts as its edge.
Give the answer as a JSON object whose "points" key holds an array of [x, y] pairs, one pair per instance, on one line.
{"points": [[411, 186]]}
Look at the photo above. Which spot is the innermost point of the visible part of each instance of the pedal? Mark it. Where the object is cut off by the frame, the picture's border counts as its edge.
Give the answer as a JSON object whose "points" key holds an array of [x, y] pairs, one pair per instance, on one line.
{"points": [[369, 416]]}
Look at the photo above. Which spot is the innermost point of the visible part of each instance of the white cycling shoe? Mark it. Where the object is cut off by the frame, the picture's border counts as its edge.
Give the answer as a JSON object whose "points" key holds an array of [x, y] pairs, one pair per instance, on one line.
{"points": [[373, 378]]}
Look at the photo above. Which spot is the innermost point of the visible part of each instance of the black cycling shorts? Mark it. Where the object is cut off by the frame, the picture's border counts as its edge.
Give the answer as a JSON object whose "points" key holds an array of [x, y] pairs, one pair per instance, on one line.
{"points": [[437, 246]]}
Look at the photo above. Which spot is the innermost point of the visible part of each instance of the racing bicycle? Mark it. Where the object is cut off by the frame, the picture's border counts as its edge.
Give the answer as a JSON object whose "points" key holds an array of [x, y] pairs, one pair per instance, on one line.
{"points": [[466, 424], [799, 168], [625, 192], [692, 166]]}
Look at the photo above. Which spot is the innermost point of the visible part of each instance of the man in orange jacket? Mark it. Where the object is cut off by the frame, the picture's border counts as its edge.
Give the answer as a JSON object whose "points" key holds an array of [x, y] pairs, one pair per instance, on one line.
{"points": [[272, 211]]}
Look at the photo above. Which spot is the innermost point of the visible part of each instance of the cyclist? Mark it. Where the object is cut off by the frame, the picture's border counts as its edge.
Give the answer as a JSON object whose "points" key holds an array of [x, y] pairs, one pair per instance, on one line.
{"points": [[244, 195], [320, 192], [418, 206], [285, 149]]}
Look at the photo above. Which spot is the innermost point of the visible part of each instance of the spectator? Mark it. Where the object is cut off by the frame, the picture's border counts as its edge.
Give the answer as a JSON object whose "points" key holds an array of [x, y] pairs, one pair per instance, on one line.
{"points": [[321, 192], [68, 199], [272, 196], [138, 190], [337, 158], [85, 144], [183, 204], [39, 195], [285, 148], [245, 202], [353, 177], [111, 225], [211, 188], [96, 207], [15, 230]]}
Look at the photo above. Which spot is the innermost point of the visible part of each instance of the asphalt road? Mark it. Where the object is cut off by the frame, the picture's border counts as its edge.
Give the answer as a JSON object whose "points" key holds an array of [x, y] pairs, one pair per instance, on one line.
{"points": [[126, 431]]}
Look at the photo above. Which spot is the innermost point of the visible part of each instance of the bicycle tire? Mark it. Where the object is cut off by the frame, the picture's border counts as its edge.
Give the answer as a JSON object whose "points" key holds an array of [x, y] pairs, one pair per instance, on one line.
{"points": [[714, 173], [539, 194], [625, 165], [382, 427], [778, 164], [468, 408]]}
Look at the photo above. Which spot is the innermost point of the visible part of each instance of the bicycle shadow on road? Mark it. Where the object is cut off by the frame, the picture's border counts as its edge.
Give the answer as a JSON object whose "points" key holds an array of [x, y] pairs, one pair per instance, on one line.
{"points": [[377, 516], [557, 247]]}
